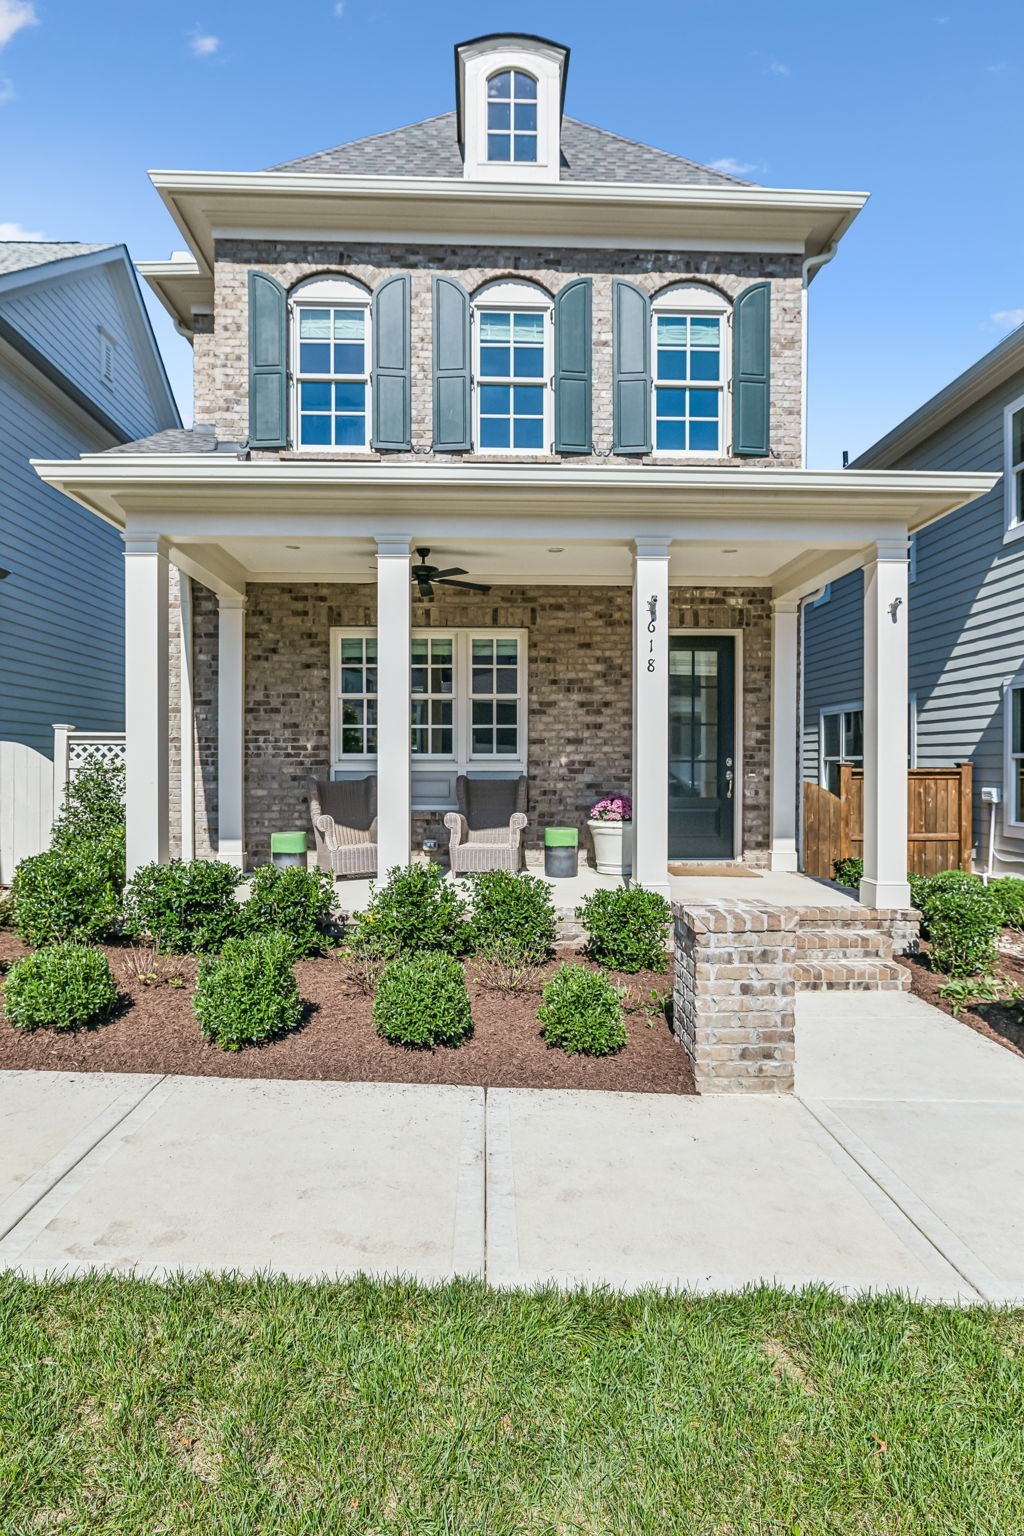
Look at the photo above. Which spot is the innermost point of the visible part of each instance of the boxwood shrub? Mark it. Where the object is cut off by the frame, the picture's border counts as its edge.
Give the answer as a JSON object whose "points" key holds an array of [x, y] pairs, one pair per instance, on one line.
{"points": [[247, 994], [296, 902], [93, 808], [64, 986], [962, 921], [184, 908], [70, 893], [627, 928], [513, 915], [1008, 895], [582, 1012], [415, 909], [422, 1000]]}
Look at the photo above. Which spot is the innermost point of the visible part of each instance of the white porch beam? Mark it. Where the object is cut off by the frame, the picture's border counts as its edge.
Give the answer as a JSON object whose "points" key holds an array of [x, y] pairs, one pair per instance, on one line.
{"points": [[146, 619], [784, 716], [650, 713], [885, 727], [231, 731], [394, 741]]}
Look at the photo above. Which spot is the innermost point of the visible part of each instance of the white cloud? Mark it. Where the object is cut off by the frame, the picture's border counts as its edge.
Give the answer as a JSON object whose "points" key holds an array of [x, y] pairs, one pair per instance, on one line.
{"points": [[732, 167], [1008, 319], [776, 68], [202, 44], [7, 91], [1002, 68], [15, 232], [15, 14], [339, 7]]}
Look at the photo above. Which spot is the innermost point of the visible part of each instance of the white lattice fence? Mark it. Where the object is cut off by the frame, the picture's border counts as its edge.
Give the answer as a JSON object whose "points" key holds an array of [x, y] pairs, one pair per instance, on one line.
{"points": [[32, 788]]}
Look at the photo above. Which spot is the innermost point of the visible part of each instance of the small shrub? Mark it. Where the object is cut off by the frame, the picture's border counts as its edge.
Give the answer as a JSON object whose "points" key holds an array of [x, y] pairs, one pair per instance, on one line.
{"points": [[1008, 895], [183, 908], [297, 902], [415, 909], [848, 871], [422, 1000], [963, 924], [626, 928], [247, 994], [362, 966], [582, 1012], [514, 914], [64, 986], [503, 967], [93, 809], [145, 966], [6, 910], [69, 894]]}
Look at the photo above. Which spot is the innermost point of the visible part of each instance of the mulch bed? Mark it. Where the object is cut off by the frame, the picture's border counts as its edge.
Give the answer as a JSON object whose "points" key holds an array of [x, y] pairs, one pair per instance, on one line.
{"points": [[154, 1030], [996, 1021]]}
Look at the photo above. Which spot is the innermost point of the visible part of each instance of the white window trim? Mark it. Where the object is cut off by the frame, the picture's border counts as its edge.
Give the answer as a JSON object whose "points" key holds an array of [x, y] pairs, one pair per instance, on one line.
{"points": [[523, 297], [463, 759], [513, 102], [1011, 827], [842, 709], [1013, 527], [319, 293], [694, 299]]}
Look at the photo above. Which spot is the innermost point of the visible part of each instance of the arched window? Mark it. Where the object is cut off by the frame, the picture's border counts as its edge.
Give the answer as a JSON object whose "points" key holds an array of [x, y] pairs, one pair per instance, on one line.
{"points": [[690, 356], [513, 366], [512, 116], [330, 351]]}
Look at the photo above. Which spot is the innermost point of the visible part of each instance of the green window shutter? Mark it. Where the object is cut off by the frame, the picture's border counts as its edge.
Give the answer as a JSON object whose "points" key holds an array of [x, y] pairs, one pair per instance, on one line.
{"points": [[751, 371], [573, 388], [392, 363], [268, 362], [452, 420], [631, 368]]}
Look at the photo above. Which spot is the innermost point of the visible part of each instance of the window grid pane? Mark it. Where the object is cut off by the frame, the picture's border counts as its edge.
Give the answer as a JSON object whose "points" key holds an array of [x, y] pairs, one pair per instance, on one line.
{"points": [[357, 698], [512, 117], [512, 411], [432, 684], [332, 376], [494, 697], [688, 352]]}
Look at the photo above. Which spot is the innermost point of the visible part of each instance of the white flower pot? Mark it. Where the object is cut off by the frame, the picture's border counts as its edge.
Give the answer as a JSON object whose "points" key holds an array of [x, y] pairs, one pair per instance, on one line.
{"points": [[613, 846]]}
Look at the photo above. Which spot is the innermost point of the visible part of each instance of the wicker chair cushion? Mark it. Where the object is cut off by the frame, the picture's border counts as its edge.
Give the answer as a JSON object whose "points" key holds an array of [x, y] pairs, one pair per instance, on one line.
{"points": [[488, 804], [349, 802]]}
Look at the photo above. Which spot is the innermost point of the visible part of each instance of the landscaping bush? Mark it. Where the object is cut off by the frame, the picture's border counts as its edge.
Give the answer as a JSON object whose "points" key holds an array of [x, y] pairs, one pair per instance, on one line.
{"points": [[422, 1000], [71, 893], [93, 809], [297, 902], [415, 909], [848, 871], [582, 1012], [183, 908], [62, 987], [626, 928], [513, 915], [962, 923], [1007, 893], [247, 994]]}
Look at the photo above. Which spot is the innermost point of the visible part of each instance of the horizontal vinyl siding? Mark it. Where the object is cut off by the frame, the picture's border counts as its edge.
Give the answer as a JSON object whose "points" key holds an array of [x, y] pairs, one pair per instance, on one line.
{"points": [[62, 607], [833, 659], [966, 619]]}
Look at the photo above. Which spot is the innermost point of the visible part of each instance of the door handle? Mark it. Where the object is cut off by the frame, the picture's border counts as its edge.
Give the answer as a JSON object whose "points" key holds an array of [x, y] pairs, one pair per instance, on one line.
{"points": [[728, 782]]}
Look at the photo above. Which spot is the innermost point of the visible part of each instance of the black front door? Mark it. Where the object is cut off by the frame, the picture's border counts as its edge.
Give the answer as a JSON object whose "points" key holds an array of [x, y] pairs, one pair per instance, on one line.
{"points": [[701, 759]]}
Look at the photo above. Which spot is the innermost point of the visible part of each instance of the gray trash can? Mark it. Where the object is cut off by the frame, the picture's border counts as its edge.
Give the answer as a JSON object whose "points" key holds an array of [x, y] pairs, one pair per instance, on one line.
{"points": [[561, 857]]}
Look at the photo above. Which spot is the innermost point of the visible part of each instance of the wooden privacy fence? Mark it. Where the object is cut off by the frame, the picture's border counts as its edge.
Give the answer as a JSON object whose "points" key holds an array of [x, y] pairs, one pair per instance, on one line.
{"points": [[938, 820]]}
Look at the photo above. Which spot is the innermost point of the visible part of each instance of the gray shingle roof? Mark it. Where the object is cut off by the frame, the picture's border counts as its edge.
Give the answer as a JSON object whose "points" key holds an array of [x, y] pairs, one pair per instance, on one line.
{"points": [[431, 148], [177, 440], [16, 255]]}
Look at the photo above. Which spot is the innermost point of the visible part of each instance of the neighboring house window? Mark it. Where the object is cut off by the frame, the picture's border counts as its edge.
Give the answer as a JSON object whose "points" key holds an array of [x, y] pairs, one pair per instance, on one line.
{"points": [[912, 558], [1015, 757], [330, 322], [689, 355], [512, 116], [108, 347], [1013, 430], [842, 741], [467, 692], [513, 369]]}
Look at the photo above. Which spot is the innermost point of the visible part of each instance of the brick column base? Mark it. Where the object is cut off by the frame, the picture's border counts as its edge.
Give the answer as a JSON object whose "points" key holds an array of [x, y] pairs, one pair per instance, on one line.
{"points": [[733, 995]]}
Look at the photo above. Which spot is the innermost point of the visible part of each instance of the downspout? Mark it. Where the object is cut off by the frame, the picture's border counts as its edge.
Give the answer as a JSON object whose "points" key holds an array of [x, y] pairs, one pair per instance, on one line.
{"points": [[808, 268]]}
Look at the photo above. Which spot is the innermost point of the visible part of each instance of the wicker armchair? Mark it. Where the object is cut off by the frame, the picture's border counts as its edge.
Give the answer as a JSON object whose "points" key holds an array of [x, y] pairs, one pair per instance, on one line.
{"points": [[344, 815], [488, 825]]}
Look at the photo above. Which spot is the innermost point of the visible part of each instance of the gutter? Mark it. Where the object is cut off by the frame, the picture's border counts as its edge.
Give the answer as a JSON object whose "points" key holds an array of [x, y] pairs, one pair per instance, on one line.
{"points": [[808, 269]]}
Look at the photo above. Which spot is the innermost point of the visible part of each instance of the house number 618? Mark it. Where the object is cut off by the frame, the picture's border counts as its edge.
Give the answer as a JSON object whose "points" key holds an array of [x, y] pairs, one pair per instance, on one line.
{"points": [[652, 626]]}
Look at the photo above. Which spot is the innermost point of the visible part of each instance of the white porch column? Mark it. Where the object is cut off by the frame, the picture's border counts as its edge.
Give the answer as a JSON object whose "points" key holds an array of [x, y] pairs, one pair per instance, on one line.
{"points": [[394, 742], [231, 730], [146, 619], [885, 727], [650, 713], [187, 718], [785, 629]]}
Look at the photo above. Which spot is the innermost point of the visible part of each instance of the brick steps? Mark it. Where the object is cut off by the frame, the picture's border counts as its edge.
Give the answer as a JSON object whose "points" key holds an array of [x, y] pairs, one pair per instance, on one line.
{"points": [[850, 975], [829, 944]]}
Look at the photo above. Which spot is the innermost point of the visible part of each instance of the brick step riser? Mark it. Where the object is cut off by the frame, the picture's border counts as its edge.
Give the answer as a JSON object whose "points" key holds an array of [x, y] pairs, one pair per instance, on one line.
{"points": [[820, 954], [851, 986]]}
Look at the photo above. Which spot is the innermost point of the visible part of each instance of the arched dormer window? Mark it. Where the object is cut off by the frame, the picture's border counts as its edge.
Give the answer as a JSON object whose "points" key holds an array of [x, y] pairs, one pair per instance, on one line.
{"points": [[690, 322], [512, 117], [513, 367], [330, 364]]}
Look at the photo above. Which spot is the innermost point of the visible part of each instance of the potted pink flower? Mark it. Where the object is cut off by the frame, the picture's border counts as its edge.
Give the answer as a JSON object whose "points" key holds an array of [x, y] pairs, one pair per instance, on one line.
{"points": [[611, 827]]}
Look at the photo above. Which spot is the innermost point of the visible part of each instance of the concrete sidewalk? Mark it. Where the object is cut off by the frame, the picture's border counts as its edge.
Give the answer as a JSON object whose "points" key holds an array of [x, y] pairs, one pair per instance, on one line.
{"points": [[895, 1166]]}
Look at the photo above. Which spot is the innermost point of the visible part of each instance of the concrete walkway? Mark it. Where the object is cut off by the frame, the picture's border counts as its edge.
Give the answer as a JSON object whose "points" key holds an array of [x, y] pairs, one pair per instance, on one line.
{"points": [[895, 1166]]}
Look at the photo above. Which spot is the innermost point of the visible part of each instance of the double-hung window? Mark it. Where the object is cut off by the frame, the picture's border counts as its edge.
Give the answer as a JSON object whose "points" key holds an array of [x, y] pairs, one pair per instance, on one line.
{"points": [[331, 365], [513, 351], [1015, 757], [512, 116], [842, 741], [689, 366], [1014, 477]]}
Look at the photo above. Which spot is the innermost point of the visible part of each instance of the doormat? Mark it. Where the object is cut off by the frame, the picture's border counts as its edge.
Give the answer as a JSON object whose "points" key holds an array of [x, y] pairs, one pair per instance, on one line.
{"points": [[727, 871]]}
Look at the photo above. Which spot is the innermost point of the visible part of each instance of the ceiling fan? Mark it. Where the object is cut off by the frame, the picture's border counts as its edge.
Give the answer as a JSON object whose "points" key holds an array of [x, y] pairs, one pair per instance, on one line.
{"points": [[428, 576]]}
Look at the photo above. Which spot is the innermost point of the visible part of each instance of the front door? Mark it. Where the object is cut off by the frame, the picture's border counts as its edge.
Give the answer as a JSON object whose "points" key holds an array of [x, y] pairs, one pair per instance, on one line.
{"points": [[701, 757]]}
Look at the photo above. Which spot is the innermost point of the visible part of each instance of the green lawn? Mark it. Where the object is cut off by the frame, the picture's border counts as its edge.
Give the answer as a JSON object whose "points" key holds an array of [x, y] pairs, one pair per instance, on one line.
{"points": [[217, 1406]]}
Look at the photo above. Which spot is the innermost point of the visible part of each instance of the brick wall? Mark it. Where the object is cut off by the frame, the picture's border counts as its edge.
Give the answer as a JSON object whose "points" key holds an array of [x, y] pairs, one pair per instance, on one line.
{"points": [[580, 705], [221, 371]]}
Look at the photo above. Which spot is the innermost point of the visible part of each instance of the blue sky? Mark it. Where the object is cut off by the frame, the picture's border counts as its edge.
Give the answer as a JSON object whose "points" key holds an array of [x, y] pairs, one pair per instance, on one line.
{"points": [[915, 101]]}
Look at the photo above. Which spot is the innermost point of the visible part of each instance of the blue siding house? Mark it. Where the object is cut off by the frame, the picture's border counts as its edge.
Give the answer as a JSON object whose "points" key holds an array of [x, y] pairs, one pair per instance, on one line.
{"points": [[79, 373], [966, 605]]}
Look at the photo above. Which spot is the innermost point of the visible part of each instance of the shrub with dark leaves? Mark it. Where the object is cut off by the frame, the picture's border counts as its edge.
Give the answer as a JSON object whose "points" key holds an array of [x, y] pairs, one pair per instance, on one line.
{"points": [[183, 908], [296, 902], [627, 928], [247, 994], [65, 986], [422, 1000], [582, 1012], [513, 915]]}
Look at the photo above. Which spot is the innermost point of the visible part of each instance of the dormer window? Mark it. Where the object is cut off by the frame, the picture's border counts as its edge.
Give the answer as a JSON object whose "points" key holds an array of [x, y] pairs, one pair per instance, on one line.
{"points": [[512, 116]]}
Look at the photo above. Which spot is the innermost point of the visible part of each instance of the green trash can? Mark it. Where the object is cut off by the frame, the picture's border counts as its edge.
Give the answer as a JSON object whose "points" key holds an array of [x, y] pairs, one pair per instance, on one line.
{"points": [[560, 852], [288, 850]]}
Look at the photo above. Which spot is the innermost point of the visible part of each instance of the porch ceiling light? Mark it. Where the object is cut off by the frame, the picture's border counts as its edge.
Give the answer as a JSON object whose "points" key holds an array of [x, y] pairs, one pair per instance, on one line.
{"points": [[560, 550], [730, 551]]}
